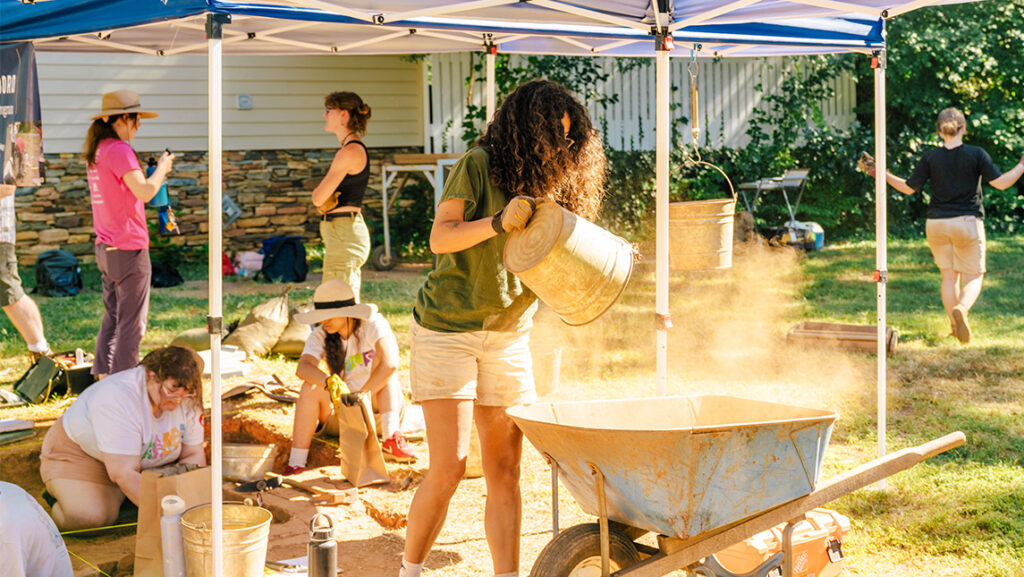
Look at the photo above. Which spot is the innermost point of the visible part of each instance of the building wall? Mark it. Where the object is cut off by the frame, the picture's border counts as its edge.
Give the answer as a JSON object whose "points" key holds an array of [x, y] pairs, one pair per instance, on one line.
{"points": [[287, 98], [271, 187]]}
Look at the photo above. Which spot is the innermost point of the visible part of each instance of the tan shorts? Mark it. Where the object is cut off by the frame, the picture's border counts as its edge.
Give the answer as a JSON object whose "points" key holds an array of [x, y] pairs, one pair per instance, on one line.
{"points": [[493, 368], [957, 243], [62, 458]]}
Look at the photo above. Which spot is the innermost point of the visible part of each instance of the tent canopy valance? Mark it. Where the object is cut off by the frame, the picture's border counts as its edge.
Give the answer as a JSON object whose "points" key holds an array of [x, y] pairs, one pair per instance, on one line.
{"points": [[595, 27]]}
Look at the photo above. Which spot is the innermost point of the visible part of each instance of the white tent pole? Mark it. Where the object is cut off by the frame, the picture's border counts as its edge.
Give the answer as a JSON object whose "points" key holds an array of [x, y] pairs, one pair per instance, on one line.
{"points": [[215, 274], [881, 255], [663, 124], [492, 55]]}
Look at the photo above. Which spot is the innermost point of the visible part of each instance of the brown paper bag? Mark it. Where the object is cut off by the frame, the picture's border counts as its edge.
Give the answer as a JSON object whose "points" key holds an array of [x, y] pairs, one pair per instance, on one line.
{"points": [[362, 462], [192, 486]]}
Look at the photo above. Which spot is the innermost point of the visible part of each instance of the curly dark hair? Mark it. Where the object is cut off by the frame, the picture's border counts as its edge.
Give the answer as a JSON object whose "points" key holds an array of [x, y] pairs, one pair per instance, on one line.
{"points": [[529, 156], [181, 364], [358, 111]]}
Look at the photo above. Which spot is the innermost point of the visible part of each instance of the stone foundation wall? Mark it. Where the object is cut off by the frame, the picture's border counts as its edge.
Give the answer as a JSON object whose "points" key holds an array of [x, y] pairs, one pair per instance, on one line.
{"points": [[271, 188]]}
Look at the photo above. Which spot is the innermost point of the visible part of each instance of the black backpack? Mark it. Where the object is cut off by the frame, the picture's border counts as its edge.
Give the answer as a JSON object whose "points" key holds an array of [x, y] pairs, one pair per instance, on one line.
{"points": [[165, 275], [58, 274], [284, 259]]}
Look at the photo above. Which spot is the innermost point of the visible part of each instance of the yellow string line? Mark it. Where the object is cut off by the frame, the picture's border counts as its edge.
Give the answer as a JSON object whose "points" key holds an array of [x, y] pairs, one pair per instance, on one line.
{"points": [[88, 563], [98, 529]]}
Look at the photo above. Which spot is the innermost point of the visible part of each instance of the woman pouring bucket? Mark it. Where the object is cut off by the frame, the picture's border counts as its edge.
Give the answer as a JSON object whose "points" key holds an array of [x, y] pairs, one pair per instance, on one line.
{"points": [[470, 357]]}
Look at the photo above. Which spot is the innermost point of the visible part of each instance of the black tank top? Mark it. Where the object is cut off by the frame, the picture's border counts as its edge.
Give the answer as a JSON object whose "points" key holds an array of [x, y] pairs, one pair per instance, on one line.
{"points": [[353, 187]]}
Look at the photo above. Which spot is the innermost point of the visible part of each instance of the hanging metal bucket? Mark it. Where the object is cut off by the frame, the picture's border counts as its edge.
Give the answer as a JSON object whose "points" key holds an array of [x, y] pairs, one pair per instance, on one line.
{"points": [[246, 534], [576, 267], [700, 233]]}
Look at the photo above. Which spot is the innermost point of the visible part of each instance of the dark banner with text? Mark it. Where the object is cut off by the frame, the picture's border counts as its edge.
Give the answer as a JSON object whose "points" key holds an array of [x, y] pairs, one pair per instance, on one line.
{"points": [[21, 124]]}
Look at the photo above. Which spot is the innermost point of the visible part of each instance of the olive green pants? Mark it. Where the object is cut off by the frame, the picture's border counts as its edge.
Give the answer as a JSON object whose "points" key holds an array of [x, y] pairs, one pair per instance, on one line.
{"points": [[346, 248]]}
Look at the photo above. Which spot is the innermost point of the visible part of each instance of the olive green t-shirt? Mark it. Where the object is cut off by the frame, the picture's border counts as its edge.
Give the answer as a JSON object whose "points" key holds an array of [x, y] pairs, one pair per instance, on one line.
{"points": [[471, 290]]}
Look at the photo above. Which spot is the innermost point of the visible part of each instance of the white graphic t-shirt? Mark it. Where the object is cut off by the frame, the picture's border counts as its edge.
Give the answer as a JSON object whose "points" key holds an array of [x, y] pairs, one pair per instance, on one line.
{"points": [[115, 416], [360, 349], [30, 545]]}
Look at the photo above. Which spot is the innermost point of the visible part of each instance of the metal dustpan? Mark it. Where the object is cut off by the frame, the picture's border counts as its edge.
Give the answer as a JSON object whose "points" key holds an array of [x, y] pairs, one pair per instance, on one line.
{"points": [[680, 466]]}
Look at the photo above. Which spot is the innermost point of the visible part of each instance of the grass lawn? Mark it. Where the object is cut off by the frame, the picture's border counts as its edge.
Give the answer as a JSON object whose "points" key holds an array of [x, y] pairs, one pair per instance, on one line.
{"points": [[960, 513]]}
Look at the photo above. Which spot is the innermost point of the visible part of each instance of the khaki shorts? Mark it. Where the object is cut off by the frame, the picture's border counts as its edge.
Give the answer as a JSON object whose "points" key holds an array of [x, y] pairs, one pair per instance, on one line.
{"points": [[957, 243], [62, 458], [493, 368], [10, 283]]}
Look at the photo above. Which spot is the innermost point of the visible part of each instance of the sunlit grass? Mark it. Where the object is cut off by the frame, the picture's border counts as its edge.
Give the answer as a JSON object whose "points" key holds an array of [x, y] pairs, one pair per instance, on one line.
{"points": [[960, 513]]}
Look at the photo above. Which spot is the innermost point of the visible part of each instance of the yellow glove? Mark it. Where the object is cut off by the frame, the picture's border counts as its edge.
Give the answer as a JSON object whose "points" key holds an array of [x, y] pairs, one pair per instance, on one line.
{"points": [[866, 164], [515, 215], [336, 387]]}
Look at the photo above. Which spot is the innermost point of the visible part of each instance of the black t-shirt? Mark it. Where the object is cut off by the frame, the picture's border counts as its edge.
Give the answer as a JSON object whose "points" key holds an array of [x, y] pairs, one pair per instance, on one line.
{"points": [[956, 176]]}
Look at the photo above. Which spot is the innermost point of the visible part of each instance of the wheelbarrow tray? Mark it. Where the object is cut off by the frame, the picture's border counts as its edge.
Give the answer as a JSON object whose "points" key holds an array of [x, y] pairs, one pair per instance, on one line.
{"points": [[681, 466]]}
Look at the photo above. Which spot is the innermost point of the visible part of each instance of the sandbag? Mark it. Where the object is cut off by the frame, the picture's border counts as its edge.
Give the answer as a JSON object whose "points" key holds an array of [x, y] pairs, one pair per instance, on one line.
{"points": [[261, 329], [195, 339], [293, 339]]}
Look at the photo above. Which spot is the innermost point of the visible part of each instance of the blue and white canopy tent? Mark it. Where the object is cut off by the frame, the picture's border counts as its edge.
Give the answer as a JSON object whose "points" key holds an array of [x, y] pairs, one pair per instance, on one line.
{"points": [[564, 27]]}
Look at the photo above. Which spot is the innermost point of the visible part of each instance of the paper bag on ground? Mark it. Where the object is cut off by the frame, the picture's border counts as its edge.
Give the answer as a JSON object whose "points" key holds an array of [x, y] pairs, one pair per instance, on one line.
{"points": [[192, 486], [362, 462]]}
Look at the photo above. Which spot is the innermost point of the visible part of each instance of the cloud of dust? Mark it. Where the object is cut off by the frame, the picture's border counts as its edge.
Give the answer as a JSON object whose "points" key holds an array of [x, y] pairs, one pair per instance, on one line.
{"points": [[728, 337]]}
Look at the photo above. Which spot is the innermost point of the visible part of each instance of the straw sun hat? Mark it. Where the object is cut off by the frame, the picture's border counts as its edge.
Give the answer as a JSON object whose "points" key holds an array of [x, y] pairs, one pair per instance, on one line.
{"points": [[123, 102], [334, 298]]}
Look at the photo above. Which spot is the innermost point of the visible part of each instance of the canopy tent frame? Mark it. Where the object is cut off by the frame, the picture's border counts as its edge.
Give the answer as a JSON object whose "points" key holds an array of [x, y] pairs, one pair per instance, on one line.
{"points": [[490, 34]]}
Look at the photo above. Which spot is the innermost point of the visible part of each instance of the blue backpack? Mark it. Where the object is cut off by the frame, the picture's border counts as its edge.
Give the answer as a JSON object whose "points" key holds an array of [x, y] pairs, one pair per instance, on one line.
{"points": [[284, 259], [58, 274]]}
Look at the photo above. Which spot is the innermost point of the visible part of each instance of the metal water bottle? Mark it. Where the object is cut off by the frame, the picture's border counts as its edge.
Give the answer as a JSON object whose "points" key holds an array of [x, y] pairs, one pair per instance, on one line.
{"points": [[322, 552]]}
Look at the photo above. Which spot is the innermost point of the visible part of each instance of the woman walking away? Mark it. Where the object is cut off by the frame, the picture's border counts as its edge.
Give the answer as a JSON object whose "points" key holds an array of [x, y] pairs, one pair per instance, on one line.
{"points": [[360, 349], [470, 355], [954, 226], [339, 196], [118, 191]]}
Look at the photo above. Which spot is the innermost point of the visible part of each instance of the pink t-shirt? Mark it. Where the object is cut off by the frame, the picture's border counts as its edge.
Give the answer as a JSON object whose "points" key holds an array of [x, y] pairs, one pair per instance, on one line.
{"points": [[118, 218]]}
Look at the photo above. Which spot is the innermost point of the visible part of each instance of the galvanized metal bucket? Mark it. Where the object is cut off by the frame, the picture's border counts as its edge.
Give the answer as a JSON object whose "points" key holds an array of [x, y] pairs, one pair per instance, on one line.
{"points": [[680, 466], [576, 267], [246, 533], [248, 462], [700, 233]]}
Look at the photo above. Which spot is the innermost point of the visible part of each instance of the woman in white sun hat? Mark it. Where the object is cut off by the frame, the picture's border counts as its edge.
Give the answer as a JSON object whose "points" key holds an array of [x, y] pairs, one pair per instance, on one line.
{"points": [[357, 344]]}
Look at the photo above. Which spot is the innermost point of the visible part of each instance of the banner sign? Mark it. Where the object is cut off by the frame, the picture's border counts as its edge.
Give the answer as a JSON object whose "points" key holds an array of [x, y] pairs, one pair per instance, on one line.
{"points": [[21, 128]]}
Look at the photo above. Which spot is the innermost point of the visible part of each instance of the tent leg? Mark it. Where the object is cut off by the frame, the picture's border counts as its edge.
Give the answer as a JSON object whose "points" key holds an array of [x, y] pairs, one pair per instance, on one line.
{"points": [[881, 255], [215, 320], [663, 124], [492, 54]]}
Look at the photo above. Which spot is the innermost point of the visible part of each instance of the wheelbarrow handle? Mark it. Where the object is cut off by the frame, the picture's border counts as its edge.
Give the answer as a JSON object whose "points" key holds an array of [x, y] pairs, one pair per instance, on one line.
{"points": [[940, 445]]}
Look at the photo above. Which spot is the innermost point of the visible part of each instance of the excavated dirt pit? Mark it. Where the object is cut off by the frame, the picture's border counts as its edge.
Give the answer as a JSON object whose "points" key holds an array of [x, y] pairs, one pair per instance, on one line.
{"points": [[365, 528]]}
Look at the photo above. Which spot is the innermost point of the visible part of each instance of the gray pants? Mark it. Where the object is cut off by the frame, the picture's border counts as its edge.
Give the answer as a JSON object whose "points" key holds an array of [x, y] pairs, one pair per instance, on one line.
{"points": [[126, 275]]}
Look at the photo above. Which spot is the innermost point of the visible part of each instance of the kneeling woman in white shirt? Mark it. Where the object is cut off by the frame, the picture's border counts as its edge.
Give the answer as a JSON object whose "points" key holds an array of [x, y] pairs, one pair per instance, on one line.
{"points": [[359, 347], [141, 418]]}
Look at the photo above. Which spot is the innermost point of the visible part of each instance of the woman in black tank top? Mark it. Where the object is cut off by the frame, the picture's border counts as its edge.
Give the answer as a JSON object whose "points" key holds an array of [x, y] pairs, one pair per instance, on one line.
{"points": [[339, 196]]}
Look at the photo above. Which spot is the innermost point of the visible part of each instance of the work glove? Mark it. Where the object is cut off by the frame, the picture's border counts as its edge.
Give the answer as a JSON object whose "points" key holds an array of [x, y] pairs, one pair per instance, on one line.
{"points": [[350, 399], [866, 164], [337, 388], [515, 215]]}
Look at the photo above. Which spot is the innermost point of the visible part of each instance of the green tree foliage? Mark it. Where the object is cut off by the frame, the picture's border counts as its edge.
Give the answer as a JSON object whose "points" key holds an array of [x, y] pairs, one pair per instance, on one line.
{"points": [[970, 56]]}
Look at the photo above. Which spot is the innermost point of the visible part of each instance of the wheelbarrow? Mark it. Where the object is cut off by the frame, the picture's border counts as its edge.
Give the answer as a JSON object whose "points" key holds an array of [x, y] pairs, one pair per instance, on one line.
{"points": [[702, 473]]}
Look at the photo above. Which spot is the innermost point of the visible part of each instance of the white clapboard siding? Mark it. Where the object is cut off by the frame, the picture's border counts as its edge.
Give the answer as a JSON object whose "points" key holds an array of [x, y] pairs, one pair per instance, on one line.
{"points": [[287, 97], [726, 88]]}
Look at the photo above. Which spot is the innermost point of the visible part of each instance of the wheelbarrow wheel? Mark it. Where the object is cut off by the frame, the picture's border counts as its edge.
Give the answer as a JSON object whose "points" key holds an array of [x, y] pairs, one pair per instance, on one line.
{"points": [[576, 552], [381, 260]]}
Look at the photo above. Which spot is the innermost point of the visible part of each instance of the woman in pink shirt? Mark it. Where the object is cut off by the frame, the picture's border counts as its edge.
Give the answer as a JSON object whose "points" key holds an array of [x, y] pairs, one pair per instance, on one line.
{"points": [[118, 191]]}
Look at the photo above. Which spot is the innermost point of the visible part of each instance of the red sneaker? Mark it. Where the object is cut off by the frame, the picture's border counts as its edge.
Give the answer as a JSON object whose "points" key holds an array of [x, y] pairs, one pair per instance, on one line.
{"points": [[292, 470], [397, 449]]}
